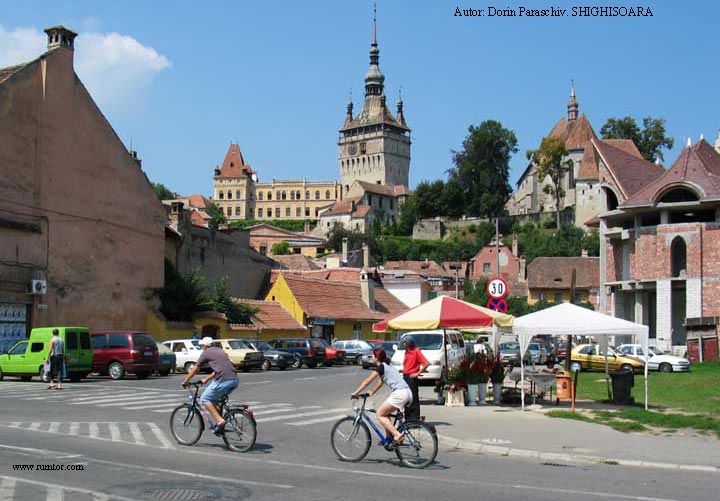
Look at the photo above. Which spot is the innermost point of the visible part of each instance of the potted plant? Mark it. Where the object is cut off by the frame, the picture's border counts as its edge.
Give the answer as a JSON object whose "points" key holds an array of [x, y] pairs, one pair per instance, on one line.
{"points": [[455, 387], [497, 376], [478, 370]]}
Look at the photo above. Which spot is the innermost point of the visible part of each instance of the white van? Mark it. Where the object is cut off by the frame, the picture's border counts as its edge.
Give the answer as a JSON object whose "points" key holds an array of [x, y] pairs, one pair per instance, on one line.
{"points": [[444, 351]]}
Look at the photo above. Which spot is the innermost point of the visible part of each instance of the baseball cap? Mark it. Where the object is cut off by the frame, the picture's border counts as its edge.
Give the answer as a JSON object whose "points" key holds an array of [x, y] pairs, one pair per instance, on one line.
{"points": [[206, 341]]}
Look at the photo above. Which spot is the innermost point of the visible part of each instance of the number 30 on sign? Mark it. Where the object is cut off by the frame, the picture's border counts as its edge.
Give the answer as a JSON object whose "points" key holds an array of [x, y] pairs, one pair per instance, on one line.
{"points": [[497, 288]]}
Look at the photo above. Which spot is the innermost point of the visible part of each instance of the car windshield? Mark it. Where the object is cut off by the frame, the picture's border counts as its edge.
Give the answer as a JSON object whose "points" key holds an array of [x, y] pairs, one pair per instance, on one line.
{"points": [[534, 347], [163, 349], [427, 341], [236, 344], [652, 351], [318, 343], [509, 346], [263, 346], [143, 341]]}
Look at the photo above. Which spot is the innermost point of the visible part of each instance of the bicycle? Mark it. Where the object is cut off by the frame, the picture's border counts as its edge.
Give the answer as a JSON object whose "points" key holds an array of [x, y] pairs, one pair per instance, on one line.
{"points": [[418, 449], [187, 422]]}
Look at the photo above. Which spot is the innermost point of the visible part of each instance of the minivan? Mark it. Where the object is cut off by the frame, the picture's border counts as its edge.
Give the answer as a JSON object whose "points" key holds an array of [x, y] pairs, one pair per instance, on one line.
{"points": [[307, 350], [26, 358], [444, 350], [117, 353]]}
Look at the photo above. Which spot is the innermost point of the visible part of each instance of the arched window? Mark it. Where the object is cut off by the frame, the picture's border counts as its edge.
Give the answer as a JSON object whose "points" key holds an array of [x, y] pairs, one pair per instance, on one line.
{"points": [[679, 194], [292, 195], [260, 195], [307, 195], [269, 197], [237, 194], [229, 194], [678, 254], [327, 194], [221, 210], [611, 200], [283, 195], [317, 194], [221, 195]]}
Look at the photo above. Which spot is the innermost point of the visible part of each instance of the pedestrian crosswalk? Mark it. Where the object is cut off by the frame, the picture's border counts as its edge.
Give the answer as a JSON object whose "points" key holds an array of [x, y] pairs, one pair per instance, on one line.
{"points": [[13, 488], [155, 401], [125, 432]]}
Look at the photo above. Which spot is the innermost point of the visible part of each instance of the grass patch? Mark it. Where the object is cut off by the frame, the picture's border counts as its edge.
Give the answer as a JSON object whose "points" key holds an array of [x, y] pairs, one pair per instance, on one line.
{"points": [[569, 415], [625, 426]]}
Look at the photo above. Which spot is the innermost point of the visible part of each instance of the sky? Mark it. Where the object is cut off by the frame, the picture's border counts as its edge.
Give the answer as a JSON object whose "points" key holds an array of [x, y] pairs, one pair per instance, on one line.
{"points": [[180, 80]]}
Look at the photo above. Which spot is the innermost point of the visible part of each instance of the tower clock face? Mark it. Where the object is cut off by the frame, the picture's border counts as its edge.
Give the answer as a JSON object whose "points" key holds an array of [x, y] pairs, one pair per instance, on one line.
{"points": [[352, 149]]}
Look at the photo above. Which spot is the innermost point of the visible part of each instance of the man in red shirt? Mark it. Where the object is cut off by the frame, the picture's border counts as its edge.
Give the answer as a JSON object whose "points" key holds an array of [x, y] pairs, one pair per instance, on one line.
{"points": [[413, 365]]}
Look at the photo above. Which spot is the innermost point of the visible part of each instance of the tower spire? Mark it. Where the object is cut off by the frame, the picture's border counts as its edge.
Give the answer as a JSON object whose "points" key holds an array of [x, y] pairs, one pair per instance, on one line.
{"points": [[572, 103], [374, 79], [400, 114], [349, 113]]}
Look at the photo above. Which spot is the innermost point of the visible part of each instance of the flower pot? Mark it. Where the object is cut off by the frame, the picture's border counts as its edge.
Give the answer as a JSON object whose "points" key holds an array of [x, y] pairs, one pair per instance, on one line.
{"points": [[497, 393], [473, 394], [440, 398], [482, 397]]}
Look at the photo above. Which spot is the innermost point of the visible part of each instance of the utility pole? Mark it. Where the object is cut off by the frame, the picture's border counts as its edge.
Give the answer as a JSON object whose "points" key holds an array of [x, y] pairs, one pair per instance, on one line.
{"points": [[568, 341], [497, 245]]}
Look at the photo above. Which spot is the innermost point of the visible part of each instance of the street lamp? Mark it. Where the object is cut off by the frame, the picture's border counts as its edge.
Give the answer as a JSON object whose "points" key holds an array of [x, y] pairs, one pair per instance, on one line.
{"points": [[456, 267]]}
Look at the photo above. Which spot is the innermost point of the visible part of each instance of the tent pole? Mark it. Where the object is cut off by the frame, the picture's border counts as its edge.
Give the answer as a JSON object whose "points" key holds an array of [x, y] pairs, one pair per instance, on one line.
{"points": [[522, 381]]}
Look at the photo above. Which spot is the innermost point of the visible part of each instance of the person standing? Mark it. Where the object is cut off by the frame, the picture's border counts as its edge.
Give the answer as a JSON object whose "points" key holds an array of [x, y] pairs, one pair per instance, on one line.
{"points": [[414, 364], [57, 360]]}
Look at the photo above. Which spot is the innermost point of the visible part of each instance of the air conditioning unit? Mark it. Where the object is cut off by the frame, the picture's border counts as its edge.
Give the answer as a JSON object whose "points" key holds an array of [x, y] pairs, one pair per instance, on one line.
{"points": [[39, 287]]}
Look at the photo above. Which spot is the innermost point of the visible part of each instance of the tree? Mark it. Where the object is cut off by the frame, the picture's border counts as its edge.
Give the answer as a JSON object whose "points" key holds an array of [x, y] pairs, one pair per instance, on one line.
{"points": [[162, 192], [182, 295], [222, 302], [217, 217], [280, 249], [650, 140], [408, 215], [551, 162], [482, 168]]}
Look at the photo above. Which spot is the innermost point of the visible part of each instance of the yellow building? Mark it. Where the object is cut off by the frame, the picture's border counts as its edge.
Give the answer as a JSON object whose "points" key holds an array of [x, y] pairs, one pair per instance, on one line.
{"points": [[343, 310], [550, 279]]}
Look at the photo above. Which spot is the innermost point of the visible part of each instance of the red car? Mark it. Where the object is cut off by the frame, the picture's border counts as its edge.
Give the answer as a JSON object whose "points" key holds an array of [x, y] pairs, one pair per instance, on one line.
{"points": [[334, 355], [117, 353]]}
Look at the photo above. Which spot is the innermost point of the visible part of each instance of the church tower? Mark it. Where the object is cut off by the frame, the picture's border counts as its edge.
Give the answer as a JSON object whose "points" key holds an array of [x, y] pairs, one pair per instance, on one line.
{"points": [[374, 146]]}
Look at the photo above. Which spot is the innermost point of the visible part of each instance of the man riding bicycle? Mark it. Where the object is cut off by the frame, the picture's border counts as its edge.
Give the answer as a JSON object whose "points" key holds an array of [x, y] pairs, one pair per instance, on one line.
{"points": [[224, 377]]}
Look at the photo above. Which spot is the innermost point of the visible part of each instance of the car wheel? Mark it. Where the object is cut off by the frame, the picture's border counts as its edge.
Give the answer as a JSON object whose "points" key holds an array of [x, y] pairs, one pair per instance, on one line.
{"points": [[357, 360], [665, 367], [116, 370], [626, 367], [2, 374], [297, 363], [366, 367], [188, 366], [266, 365], [575, 366]]}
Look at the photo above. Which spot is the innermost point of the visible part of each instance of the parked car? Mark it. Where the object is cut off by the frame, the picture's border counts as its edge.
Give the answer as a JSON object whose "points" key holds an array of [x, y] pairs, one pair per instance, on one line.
{"points": [[367, 358], [26, 358], [273, 357], [333, 355], [186, 351], [241, 354], [117, 353], [592, 357], [561, 349], [537, 352], [657, 361], [166, 360], [305, 350], [355, 349], [482, 348], [444, 350], [509, 352], [549, 347]]}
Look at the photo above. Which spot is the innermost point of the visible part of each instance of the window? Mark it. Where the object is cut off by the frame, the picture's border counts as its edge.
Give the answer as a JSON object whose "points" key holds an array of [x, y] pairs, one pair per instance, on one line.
{"points": [[237, 210], [260, 195], [251, 212], [558, 297], [260, 212], [319, 250], [229, 195], [283, 195], [487, 268], [269, 197], [678, 255], [542, 297], [327, 194], [18, 349], [71, 340], [588, 350], [118, 341], [277, 212], [263, 249], [222, 211], [99, 341], [317, 194], [307, 211], [85, 340], [287, 211], [577, 298], [292, 195], [36, 347], [237, 194], [307, 195], [380, 202], [221, 195], [369, 199], [298, 212], [178, 347]]}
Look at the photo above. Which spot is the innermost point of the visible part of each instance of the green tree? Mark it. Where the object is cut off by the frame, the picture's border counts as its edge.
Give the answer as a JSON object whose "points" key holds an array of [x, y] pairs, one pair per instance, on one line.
{"points": [[162, 192], [280, 249], [408, 215], [482, 168], [550, 160], [217, 217], [222, 302], [650, 140], [182, 295]]}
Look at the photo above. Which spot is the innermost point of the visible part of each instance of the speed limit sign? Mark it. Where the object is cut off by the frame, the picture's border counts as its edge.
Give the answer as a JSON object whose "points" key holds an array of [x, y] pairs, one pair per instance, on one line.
{"points": [[497, 288]]}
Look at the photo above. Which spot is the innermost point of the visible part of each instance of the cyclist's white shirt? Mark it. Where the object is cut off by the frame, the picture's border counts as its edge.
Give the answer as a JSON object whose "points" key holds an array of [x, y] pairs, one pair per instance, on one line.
{"points": [[392, 377]]}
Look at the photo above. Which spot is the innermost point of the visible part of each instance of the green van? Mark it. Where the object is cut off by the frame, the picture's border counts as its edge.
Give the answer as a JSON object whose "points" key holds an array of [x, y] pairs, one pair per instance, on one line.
{"points": [[26, 358]]}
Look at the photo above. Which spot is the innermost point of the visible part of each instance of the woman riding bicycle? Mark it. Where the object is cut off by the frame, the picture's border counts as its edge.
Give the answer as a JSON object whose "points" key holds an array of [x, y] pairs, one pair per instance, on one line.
{"points": [[399, 398]]}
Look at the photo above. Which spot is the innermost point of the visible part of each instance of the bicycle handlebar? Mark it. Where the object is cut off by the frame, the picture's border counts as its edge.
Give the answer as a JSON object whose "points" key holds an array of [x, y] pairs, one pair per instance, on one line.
{"points": [[361, 395], [196, 384]]}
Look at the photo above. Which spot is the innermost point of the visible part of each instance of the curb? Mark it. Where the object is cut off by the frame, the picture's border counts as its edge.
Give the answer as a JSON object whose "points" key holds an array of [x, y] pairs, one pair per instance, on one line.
{"points": [[574, 458]]}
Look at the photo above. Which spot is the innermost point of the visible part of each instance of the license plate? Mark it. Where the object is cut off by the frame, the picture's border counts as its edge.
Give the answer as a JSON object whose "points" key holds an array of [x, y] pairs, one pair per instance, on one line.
{"points": [[148, 353]]}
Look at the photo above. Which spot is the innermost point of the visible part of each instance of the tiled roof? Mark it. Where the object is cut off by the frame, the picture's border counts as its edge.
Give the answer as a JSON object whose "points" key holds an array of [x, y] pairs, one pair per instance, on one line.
{"points": [[199, 201], [295, 262], [579, 132], [6, 73], [631, 171], [199, 218], [341, 300], [374, 112], [234, 164], [268, 230], [698, 165], [556, 272], [626, 145], [346, 207], [271, 315], [589, 164], [424, 268], [389, 190], [462, 264]]}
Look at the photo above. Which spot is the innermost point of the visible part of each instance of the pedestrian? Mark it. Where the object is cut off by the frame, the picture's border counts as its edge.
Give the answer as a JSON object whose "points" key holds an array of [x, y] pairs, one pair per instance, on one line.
{"points": [[57, 360], [414, 364]]}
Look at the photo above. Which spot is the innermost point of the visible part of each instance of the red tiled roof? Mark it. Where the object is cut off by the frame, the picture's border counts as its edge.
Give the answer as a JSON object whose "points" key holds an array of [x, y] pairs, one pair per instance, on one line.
{"points": [[234, 164], [389, 190], [271, 315], [295, 262], [462, 264], [556, 272], [346, 207], [589, 164], [198, 201], [627, 145], [579, 132], [423, 268], [631, 172], [340, 300], [6, 73]]}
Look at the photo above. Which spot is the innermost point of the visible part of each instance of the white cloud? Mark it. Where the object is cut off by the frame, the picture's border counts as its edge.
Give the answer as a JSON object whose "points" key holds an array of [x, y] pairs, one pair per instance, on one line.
{"points": [[116, 69]]}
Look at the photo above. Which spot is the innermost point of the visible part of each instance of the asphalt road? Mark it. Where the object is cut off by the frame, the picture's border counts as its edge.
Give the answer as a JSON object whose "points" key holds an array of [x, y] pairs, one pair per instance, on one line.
{"points": [[115, 435]]}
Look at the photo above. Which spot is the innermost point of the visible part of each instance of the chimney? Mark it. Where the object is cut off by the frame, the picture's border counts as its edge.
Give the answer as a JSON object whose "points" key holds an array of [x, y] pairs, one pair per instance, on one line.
{"points": [[365, 256], [176, 211], [60, 36], [515, 244], [307, 227], [522, 273], [367, 289], [134, 155], [584, 253], [344, 251]]}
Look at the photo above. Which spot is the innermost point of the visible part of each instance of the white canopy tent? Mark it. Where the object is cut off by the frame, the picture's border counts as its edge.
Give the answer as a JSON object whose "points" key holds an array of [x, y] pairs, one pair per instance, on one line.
{"points": [[567, 319]]}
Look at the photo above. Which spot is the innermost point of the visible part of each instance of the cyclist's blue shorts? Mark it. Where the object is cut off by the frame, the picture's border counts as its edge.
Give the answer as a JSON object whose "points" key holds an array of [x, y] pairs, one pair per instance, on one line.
{"points": [[215, 391]]}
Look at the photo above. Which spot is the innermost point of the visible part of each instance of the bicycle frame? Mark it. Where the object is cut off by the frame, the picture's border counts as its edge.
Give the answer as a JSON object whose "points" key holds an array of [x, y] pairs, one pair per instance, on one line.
{"points": [[361, 415]]}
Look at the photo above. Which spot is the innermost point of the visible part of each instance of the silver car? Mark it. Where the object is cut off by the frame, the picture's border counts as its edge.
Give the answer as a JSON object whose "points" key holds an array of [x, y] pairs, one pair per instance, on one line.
{"points": [[354, 349]]}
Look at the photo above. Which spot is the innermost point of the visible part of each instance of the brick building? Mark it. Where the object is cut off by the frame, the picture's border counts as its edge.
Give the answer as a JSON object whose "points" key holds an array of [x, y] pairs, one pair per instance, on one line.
{"points": [[512, 267], [660, 248]]}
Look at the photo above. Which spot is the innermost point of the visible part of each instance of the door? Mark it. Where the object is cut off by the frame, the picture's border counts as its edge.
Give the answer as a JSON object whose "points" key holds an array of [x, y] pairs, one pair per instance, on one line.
{"points": [[181, 354], [35, 356], [100, 358], [118, 348], [584, 356], [16, 358], [72, 349]]}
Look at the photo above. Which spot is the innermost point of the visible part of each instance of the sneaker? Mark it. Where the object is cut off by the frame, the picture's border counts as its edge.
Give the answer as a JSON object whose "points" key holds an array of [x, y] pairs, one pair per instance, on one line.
{"points": [[220, 429]]}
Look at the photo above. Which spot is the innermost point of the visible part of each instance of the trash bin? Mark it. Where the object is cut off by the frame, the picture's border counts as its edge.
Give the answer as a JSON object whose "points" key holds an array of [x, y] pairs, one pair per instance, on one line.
{"points": [[564, 382], [622, 383]]}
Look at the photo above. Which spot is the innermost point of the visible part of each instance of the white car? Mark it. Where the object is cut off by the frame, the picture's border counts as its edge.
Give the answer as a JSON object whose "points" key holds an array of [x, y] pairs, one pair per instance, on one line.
{"points": [[434, 346], [187, 352], [656, 361]]}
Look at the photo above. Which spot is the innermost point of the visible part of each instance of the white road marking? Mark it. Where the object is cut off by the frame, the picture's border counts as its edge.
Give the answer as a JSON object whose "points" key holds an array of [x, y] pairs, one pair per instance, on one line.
{"points": [[93, 430], [54, 493], [258, 382], [74, 428], [286, 409], [304, 378], [126, 401], [97, 495], [171, 404], [161, 436], [589, 493], [319, 420], [7, 489], [114, 398], [83, 399], [54, 427], [302, 414], [114, 432], [34, 426], [136, 433]]}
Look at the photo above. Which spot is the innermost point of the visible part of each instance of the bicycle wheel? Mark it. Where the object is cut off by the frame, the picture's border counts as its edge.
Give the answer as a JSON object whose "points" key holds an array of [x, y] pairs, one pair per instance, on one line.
{"points": [[240, 431], [350, 442], [420, 445], [186, 424]]}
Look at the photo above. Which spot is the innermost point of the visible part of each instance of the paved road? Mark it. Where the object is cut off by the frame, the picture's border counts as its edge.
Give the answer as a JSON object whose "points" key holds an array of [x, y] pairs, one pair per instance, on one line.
{"points": [[116, 436]]}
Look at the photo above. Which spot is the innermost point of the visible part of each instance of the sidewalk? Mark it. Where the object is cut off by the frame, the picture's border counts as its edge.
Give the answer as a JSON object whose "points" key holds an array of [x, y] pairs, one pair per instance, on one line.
{"points": [[507, 431]]}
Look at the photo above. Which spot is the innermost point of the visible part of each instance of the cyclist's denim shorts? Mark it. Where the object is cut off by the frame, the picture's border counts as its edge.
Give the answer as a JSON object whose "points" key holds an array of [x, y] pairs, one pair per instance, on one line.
{"points": [[215, 391]]}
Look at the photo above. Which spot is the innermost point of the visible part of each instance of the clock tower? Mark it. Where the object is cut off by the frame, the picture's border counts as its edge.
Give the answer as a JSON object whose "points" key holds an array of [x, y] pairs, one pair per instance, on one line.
{"points": [[374, 145]]}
